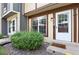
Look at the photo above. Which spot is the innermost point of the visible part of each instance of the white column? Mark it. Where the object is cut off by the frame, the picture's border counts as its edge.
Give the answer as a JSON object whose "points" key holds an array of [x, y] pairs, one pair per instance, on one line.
{"points": [[29, 24], [50, 29], [72, 25], [77, 23], [18, 22]]}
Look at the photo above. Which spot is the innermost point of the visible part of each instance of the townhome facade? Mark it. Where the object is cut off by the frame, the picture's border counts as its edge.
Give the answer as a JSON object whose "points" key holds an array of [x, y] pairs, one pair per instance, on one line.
{"points": [[58, 22], [31, 11], [42, 18], [12, 18]]}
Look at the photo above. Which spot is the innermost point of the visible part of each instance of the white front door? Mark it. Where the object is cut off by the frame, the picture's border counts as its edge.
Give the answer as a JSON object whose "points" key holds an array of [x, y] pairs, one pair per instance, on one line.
{"points": [[63, 25], [11, 26]]}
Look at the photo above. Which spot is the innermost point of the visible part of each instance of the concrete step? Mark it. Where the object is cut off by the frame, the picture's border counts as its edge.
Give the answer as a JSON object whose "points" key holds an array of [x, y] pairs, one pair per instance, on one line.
{"points": [[51, 49], [4, 41], [5, 36]]}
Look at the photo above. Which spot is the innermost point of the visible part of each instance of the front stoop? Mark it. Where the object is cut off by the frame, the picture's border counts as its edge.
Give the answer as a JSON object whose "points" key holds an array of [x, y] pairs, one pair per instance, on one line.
{"points": [[51, 49], [71, 48], [4, 41], [68, 51]]}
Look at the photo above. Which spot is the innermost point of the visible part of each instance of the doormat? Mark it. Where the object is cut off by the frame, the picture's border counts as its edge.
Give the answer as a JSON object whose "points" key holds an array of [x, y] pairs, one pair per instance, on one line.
{"points": [[59, 45]]}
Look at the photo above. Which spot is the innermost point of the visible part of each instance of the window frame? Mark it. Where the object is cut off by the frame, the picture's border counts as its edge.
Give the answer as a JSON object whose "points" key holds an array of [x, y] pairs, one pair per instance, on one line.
{"points": [[46, 25], [63, 22]]}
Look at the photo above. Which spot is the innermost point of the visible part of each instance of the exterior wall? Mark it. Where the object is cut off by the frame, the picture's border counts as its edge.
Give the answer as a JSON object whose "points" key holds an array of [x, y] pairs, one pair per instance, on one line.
{"points": [[74, 14], [4, 26], [23, 19], [8, 8], [51, 20], [17, 21], [15, 10], [29, 24], [11, 7], [11, 17], [23, 23], [16, 7], [50, 29], [29, 7], [74, 29], [32, 6], [49, 38], [41, 4]]}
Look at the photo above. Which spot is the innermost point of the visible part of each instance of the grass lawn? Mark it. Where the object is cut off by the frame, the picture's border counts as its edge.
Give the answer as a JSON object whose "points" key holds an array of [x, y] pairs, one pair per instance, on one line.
{"points": [[2, 50]]}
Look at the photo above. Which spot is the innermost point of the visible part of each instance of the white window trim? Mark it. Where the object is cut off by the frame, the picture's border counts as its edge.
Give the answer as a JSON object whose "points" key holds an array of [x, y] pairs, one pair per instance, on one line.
{"points": [[72, 11], [38, 19], [38, 24], [77, 24], [8, 26], [63, 12]]}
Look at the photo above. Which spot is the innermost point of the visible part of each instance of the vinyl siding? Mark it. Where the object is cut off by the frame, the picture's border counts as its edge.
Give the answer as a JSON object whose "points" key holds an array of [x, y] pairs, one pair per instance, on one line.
{"points": [[29, 7], [4, 26], [41, 4], [23, 19], [16, 6]]}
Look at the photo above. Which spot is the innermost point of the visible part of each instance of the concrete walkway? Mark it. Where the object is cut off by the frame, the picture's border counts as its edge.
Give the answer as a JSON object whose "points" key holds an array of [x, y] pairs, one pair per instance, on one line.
{"points": [[4, 41]]}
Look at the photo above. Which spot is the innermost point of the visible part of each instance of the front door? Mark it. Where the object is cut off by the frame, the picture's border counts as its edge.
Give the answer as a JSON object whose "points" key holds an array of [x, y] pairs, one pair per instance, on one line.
{"points": [[11, 26], [63, 25]]}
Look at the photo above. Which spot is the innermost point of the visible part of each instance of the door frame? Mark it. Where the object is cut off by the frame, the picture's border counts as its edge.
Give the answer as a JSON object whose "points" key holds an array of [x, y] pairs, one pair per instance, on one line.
{"points": [[8, 26], [70, 24]]}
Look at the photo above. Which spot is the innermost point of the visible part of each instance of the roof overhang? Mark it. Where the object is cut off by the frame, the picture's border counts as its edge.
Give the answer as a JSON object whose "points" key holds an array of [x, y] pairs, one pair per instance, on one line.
{"points": [[8, 14], [47, 7]]}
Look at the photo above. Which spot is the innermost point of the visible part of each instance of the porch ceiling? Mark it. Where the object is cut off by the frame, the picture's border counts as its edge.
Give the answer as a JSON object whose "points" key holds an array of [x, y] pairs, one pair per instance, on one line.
{"points": [[47, 7]]}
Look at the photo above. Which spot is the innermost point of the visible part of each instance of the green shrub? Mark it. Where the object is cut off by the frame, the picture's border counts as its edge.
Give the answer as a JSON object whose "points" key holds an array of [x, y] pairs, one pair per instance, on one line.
{"points": [[27, 40], [1, 36]]}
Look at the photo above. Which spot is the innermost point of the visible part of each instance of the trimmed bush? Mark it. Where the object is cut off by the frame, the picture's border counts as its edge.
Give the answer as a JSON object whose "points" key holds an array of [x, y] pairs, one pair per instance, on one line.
{"points": [[27, 40], [1, 36]]}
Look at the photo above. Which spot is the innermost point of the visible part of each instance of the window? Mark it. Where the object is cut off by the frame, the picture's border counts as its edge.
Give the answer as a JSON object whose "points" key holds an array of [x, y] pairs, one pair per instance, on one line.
{"points": [[35, 25], [13, 25], [9, 26], [63, 23], [40, 24]]}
